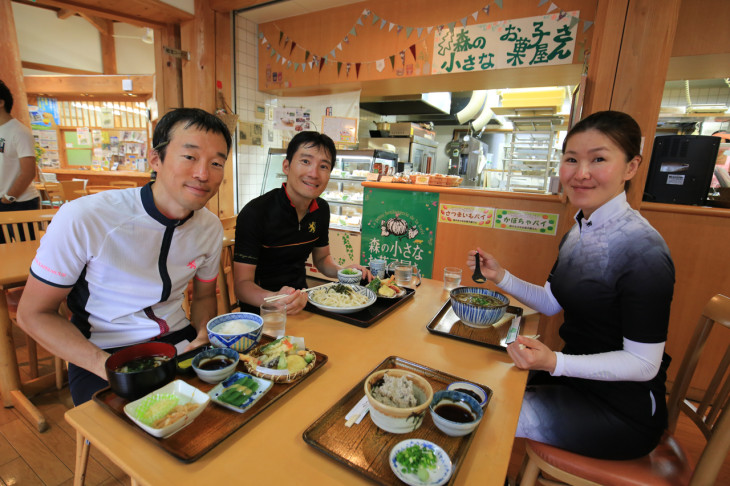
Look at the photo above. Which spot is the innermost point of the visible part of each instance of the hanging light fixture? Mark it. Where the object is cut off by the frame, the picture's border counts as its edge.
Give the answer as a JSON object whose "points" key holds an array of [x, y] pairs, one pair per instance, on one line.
{"points": [[472, 108]]}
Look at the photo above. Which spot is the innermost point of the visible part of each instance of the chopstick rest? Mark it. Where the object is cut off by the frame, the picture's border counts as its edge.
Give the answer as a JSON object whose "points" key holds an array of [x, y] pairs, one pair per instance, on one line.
{"points": [[358, 412]]}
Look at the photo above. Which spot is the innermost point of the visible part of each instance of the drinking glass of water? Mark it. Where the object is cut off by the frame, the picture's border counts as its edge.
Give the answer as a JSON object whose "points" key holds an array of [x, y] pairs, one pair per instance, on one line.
{"points": [[452, 277], [274, 316], [403, 273]]}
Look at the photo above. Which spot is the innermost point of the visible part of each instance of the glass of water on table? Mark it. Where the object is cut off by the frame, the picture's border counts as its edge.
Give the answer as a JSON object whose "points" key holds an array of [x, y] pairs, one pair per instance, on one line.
{"points": [[452, 278], [274, 316]]}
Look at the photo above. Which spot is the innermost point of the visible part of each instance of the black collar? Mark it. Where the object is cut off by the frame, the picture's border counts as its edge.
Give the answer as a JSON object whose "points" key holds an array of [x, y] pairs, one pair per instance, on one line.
{"points": [[148, 202]]}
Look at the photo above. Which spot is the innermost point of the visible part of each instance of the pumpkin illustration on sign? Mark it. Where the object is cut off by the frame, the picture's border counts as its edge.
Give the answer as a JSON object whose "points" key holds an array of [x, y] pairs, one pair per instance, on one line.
{"points": [[398, 226]]}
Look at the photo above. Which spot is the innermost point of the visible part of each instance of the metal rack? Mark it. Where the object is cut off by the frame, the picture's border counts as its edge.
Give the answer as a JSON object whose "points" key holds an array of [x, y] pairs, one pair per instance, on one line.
{"points": [[531, 155]]}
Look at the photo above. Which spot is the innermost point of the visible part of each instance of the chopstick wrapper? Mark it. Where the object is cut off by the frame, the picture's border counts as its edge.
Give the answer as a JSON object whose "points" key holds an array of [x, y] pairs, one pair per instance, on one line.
{"points": [[358, 412]]}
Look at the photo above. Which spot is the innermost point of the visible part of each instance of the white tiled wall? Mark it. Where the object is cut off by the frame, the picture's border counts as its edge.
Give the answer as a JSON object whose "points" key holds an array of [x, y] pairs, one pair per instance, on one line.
{"points": [[251, 161], [698, 96]]}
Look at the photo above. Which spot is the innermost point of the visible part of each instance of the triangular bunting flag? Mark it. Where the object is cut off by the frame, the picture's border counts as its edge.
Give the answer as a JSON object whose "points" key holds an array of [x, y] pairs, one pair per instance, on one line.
{"points": [[380, 65], [573, 22], [278, 57], [293, 45], [399, 29], [474, 15], [499, 3], [339, 46], [332, 53], [288, 64], [359, 22], [408, 31], [392, 62], [451, 26], [321, 63], [413, 50], [339, 68], [562, 15], [463, 21], [353, 31], [375, 18], [296, 66], [306, 56], [486, 10], [281, 36], [272, 52], [283, 60], [261, 35], [390, 26], [419, 31], [357, 70], [382, 24], [587, 25], [346, 40], [552, 7], [429, 29], [347, 69], [541, 3]]}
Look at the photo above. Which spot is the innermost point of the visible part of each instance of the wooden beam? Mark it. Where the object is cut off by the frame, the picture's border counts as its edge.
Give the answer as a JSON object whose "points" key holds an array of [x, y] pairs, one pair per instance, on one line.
{"points": [[10, 66], [100, 24], [55, 69], [65, 13], [168, 70], [198, 75], [231, 5], [142, 13], [108, 46], [223, 74], [96, 85]]}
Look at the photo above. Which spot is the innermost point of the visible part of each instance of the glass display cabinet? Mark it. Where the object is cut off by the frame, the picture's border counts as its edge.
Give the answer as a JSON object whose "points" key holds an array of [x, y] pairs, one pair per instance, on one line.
{"points": [[344, 192]]}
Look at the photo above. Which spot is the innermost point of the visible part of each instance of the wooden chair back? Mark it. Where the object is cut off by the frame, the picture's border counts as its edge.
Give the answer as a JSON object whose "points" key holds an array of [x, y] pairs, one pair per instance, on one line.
{"points": [[56, 194], [24, 225], [667, 464], [227, 301], [72, 189], [94, 189], [123, 184]]}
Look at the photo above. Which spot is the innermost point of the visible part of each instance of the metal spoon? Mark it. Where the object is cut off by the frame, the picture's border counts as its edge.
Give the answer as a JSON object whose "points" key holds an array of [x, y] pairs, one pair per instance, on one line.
{"points": [[477, 277]]}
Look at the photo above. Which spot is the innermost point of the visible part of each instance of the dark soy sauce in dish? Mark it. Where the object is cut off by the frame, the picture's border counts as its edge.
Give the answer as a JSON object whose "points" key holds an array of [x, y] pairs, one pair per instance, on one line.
{"points": [[215, 364], [455, 413], [470, 393]]}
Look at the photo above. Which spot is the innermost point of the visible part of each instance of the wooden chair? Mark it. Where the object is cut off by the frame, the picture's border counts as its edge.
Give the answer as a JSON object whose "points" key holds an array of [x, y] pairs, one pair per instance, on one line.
{"points": [[667, 464], [123, 184], [95, 189], [18, 226], [227, 301], [56, 195], [72, 189]]}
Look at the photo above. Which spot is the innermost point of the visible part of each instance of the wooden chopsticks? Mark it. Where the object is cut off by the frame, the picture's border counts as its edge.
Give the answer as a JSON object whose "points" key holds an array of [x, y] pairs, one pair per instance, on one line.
{"points": [[274, 298]]}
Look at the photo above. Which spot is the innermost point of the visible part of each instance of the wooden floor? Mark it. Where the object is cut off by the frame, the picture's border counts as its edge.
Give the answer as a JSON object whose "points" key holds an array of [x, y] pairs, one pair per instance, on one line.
{"points": [[29, 458]]}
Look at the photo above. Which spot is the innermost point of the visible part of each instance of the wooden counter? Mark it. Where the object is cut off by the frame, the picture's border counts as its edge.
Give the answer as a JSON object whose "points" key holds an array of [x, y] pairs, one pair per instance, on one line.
{"points": [[100, 177], [270, 447]]}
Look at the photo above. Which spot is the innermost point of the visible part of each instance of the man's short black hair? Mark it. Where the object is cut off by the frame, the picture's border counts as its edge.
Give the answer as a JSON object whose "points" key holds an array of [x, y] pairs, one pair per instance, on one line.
{"points": [[189, 117], [311, 139], [6, 96]]}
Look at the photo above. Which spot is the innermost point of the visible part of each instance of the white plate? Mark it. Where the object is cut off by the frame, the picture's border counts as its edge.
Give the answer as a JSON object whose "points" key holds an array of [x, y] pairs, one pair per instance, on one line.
{"points": [[347, 310], [185, 393], [436, 477], [215, 392], [396, 296]]}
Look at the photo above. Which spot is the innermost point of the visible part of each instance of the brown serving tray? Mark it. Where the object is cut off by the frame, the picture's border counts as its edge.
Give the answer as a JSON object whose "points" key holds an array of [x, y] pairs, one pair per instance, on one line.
{"points": [[446, 323], [367, 316], [365, 447], [212, 426]]}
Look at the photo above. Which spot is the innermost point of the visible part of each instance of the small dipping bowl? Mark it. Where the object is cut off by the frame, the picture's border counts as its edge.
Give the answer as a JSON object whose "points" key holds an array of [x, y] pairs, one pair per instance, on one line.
{"points": [[215, 359], [349, 278], [470, 388], [459, 406], [241, 342]]}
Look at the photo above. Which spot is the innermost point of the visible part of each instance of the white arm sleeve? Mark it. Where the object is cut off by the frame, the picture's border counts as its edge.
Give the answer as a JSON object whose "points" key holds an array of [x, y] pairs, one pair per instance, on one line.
{"points": [[539, 298], [636, 362]]}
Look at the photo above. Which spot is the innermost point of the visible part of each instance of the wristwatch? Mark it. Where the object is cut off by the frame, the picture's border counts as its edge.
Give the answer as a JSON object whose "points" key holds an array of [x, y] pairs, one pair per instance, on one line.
{"points": [[10, 198]]}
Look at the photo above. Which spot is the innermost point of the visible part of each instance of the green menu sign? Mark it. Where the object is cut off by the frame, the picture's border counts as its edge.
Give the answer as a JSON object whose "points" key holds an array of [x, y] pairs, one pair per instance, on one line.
{"points": [[399, 225]]}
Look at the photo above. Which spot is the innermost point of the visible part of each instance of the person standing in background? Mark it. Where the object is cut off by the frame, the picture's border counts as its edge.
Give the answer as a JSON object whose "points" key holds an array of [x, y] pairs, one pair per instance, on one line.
{"points": [[17, 160]]}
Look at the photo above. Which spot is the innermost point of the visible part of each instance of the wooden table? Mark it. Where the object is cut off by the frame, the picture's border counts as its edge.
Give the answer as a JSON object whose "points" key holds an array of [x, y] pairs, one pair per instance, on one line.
{"points": [[270, 447], [16, 259]]}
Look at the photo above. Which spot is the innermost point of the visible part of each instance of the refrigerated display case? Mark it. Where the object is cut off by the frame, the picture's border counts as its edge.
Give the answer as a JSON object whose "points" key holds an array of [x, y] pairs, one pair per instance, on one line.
{"points": [[344, 191]]}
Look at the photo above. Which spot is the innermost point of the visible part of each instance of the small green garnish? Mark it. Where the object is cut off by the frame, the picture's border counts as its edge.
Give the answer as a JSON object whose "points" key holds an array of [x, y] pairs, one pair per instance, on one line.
{"points": [[417, 460], [349, 271]]}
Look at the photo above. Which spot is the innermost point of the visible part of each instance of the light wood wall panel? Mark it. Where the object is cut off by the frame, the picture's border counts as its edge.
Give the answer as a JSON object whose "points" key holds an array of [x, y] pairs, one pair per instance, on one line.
{"points": [[11, 71]]}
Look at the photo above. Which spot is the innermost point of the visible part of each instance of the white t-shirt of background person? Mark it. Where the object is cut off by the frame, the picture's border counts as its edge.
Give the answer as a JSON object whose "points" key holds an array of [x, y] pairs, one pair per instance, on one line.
{"points": [[128, 264], [16, 142]]}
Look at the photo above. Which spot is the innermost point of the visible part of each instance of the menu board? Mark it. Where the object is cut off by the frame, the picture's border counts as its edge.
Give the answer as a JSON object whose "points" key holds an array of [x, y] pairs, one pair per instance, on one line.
{"points": [[341, 130], [399, 225]]}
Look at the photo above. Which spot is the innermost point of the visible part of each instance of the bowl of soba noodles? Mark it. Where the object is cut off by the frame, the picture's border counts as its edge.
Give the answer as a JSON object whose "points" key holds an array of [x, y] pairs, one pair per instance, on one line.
{"points": [[478, 307], [341, 298]]}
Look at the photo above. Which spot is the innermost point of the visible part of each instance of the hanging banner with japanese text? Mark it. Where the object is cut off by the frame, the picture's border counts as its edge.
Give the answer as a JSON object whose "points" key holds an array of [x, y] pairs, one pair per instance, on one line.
{"points": [[533, 41], [399, 225], [526, 221], [468, 215]]}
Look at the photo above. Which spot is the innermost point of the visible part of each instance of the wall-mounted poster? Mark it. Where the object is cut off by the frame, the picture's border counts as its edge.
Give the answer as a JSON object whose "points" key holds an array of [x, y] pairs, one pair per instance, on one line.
{"points": [[394, 231], [297, 119], [341, 130]]}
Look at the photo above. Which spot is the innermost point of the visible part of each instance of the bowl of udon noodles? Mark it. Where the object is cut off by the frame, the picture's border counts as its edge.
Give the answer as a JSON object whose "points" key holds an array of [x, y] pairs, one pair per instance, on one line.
{"points": [[239, 331], [341, 298], [478, 307]]}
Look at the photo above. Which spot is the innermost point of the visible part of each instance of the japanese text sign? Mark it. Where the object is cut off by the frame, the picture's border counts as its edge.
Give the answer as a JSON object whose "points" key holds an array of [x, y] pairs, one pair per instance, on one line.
{"points": [[526, 221], [533, 41], [468, 215]]}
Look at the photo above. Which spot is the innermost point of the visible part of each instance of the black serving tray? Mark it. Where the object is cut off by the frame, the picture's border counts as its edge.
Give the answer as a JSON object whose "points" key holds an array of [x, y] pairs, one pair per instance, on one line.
{"points": [[446, 323], [367, 316]]}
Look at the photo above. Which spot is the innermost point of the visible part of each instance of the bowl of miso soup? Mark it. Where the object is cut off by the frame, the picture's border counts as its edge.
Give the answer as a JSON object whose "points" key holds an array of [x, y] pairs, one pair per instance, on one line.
{"points": [[137, 370], [478, 307]]}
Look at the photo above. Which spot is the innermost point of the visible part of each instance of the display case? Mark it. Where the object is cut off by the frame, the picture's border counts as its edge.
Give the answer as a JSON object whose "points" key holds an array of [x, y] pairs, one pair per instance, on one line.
{"points": [[344, 192], [532, 154]]}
